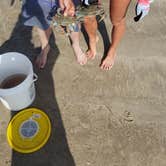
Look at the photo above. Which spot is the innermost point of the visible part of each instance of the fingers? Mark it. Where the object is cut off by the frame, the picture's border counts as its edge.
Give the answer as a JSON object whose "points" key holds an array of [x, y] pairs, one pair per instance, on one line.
{"points": [[67, 7], [99, 2], [69, 10], [61, 4], [39, 63]]}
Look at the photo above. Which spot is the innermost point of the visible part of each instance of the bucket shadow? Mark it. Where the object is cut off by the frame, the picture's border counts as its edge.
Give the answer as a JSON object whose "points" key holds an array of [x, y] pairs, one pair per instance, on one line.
{"points": [[104, 34], [56, 152]]}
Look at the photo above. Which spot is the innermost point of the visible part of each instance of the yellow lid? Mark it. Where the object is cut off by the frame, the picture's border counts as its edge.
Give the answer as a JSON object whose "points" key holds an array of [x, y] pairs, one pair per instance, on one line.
{"points": [[29, 130]]}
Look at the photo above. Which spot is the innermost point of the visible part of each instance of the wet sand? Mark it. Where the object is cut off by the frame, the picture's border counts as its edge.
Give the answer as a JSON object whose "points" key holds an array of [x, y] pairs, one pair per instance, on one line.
{"points": [[87, 106]]}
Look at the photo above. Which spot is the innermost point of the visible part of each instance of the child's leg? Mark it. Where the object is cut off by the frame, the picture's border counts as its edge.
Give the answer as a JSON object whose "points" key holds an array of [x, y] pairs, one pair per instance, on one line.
{"points": [[90, 25], [81, 57], [44, 36], [75, 39], [118, 9]]}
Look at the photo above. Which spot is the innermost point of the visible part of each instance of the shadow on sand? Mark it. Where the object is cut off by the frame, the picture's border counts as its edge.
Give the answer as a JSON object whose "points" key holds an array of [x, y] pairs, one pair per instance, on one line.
{"points": [[56, 152]]}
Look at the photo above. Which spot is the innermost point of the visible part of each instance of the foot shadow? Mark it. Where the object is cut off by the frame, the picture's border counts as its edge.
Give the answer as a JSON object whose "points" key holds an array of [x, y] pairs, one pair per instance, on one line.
{"points": [[56, 152]]}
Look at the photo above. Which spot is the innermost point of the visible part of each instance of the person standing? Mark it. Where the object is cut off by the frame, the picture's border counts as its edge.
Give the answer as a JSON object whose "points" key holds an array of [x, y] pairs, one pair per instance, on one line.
{"points": [[35, 14]]}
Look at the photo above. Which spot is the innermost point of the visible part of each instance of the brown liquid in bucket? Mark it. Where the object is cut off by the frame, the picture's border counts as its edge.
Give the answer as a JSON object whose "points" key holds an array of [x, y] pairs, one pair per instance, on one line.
{"points": [[12, 81]]}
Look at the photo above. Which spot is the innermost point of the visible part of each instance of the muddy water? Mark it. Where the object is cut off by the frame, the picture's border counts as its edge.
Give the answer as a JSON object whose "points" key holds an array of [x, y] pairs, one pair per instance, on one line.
{"points": [[12, 81]]}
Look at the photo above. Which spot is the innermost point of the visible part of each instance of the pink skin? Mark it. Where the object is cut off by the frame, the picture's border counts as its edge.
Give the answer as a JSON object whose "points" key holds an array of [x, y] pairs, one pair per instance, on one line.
{"points": [[80, 55], [68, 7]]}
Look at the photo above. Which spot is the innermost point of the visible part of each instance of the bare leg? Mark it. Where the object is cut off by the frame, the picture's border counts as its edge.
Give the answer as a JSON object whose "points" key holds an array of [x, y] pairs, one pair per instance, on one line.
{"points": [[118, 9], [90, 25], [81, 57], [44, 36]]}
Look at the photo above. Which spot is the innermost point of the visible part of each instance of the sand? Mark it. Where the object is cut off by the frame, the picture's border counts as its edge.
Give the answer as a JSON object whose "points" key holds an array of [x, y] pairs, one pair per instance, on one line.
{"points": [[87, 106]]}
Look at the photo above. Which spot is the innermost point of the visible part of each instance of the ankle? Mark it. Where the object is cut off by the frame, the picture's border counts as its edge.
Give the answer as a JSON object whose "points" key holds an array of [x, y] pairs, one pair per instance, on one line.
{"points": [[74, 44], [111, 51]]}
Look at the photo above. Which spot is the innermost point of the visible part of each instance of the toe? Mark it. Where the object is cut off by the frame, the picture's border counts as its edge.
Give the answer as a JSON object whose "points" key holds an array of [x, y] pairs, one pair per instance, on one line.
{"points": [[106, 67], [102, 65], [110, 67], [90, 54], [82, 61], [42, 65]]}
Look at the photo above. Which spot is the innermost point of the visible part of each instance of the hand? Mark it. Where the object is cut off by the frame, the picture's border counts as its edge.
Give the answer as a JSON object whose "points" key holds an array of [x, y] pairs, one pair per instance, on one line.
{"points": [[68, 7], [142, 9]]}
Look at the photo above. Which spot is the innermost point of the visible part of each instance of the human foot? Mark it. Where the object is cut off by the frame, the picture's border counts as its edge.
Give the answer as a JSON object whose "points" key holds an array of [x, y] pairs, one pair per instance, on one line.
{"points": [[91, 53], [109, 60], [81, 57], [42, 58]]}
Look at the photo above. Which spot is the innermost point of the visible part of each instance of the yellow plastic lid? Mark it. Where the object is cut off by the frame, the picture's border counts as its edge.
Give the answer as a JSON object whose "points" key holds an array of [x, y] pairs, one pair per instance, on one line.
{"points": [[29, 130]]}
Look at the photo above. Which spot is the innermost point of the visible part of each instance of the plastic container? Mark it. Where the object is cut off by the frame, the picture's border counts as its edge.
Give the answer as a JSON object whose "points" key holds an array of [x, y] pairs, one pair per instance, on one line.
{"points": [[22, 95], [29, 130]]}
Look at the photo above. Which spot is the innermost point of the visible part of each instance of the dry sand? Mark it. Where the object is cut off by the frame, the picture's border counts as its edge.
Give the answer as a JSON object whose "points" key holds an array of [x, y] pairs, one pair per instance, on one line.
{"points": [[88, 106]]}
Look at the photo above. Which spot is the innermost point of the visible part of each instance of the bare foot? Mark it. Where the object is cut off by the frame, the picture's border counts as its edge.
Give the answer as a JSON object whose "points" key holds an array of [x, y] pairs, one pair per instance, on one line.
{"points": [[108, 62], [91, 53], [42, 58], [81, 57]]}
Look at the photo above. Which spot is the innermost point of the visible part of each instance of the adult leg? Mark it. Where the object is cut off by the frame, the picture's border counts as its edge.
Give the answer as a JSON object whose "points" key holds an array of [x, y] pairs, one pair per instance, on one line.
{"points": [[118, 9], [90, 25], [44, 36]]}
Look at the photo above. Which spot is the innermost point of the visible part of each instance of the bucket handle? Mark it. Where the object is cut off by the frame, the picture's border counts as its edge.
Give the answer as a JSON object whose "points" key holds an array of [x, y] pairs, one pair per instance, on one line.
{"points": [[35, 77]]}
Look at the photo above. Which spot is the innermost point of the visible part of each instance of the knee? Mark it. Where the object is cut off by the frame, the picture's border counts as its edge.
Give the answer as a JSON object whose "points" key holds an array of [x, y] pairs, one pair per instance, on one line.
{"points": [[118, 22], [90, 20]]}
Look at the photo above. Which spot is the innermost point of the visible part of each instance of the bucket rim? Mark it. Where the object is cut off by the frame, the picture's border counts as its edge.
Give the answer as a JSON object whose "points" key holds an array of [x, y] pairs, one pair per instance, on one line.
{"points": [[17, 53], [30, 73]]}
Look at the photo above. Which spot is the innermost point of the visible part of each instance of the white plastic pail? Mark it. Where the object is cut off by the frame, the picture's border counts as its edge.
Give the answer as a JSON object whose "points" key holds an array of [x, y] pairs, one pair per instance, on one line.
{"points": [[22, 95]]}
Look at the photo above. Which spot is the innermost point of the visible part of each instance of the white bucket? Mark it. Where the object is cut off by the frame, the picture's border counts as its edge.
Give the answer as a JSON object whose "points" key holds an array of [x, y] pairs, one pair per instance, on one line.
{"points": [[22, 95]]}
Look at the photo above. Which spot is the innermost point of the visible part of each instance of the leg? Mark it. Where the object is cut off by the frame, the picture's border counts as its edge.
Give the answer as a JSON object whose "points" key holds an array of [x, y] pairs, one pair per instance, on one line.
{"points": [[44, 36], [90, 25], [81, 57], [118, 9]]}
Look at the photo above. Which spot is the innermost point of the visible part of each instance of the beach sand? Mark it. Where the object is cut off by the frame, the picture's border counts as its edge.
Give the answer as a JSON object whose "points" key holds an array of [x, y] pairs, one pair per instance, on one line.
{"points": [[88, 107]]}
